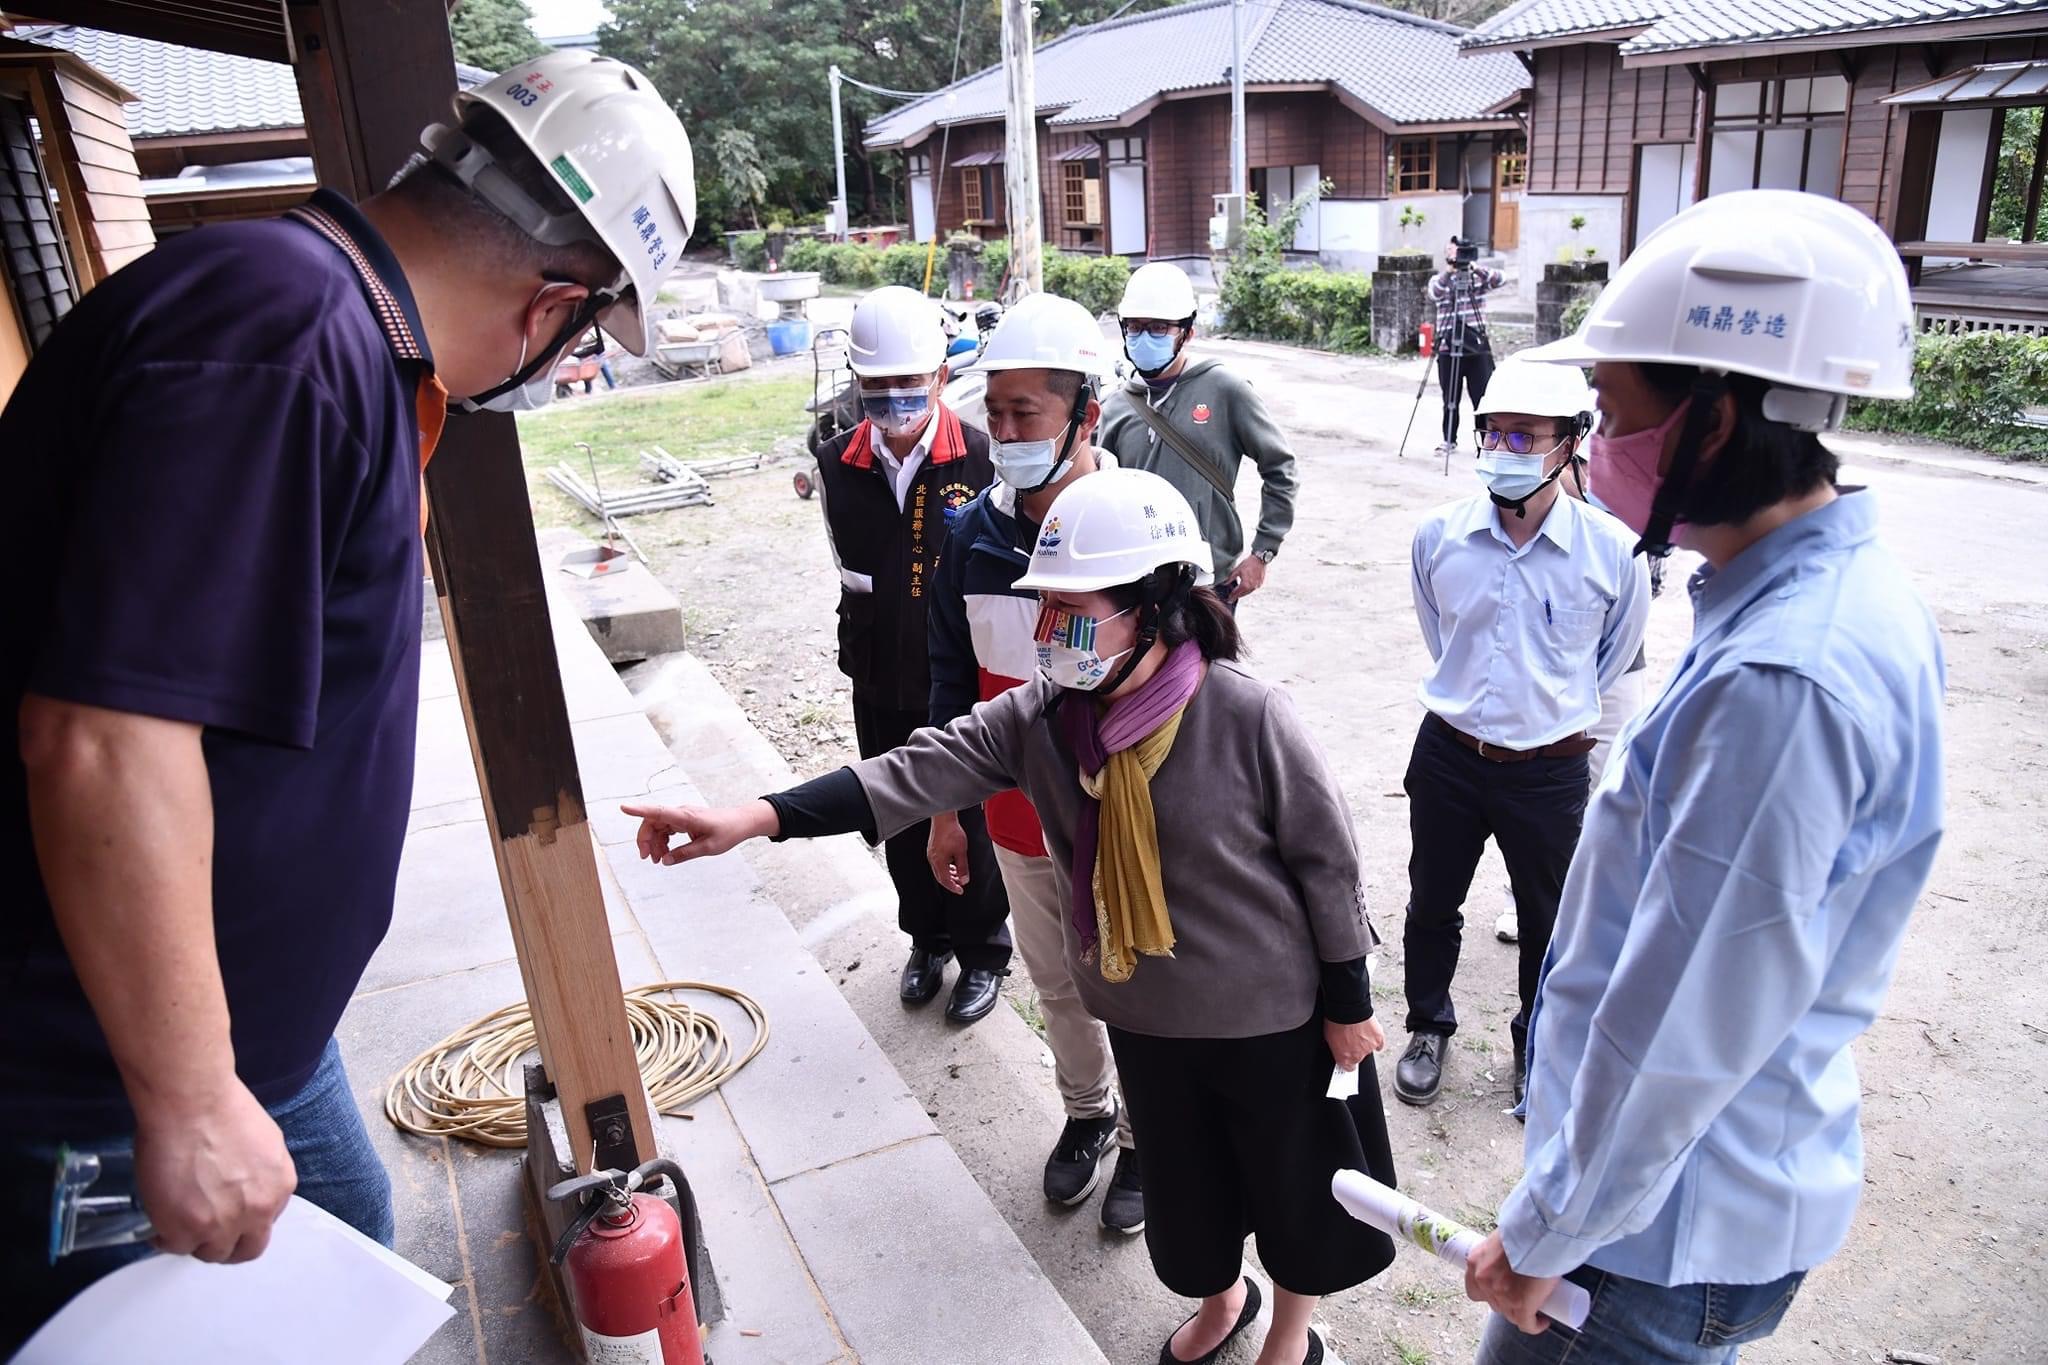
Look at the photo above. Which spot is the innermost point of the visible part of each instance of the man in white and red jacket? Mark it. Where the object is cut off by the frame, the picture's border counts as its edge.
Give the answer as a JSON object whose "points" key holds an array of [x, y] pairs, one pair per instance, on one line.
{"points": [[1041, 419]]}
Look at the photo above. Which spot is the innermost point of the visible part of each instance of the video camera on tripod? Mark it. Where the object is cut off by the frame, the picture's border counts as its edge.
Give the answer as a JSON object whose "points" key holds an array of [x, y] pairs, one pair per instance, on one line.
{"points": [[1464, 254]]}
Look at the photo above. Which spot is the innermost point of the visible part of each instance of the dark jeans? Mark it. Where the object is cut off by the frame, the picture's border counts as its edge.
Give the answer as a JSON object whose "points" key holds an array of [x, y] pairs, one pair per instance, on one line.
{"points": [[1634, 1323], [1471, 372], [323, 1129], [1456, 800], [974, 925]]}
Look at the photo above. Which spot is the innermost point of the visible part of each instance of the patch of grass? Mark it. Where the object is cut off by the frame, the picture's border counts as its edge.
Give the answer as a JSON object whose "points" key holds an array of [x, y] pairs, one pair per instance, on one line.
{"points": [[1420, 1296], [1406, 1354], [707, 421], [1026, 1004], [1480, 1219], [817, 717], [1475, 1044]]}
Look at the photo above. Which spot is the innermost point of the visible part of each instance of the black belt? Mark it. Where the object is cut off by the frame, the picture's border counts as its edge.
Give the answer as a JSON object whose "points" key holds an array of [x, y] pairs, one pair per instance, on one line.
{"points": [[1571, 746]]}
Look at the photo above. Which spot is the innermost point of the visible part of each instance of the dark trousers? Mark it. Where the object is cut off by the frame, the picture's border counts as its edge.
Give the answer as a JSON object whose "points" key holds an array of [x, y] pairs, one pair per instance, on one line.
{"points": [[1456, 800], [1240, 1138], [974, 925], [1473, 373]]}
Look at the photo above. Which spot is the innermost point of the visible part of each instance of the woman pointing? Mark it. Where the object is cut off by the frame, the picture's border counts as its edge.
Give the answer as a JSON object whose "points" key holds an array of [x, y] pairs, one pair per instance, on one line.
{"points": [[1217, 926]]}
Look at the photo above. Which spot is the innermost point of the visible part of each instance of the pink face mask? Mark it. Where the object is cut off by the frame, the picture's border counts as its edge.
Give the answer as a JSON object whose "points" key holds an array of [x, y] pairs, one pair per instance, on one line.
{"points": [[1624, 470]]}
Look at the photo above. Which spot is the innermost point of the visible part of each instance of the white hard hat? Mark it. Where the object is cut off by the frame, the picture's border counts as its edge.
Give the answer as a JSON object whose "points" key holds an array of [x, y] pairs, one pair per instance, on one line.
{"points": [[1528, 386], [1113, 527], [616, 149], [1796, 289], [896, 330], [1158, 289], [1046, 332]]}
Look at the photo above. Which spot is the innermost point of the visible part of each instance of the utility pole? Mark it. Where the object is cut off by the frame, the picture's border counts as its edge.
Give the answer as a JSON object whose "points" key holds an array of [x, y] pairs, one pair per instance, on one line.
{"points": [[1239, 172], [840, 221], [1020, 167]]}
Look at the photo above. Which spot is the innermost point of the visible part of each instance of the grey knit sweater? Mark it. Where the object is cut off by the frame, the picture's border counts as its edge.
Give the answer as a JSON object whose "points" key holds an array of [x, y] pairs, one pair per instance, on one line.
{"points": [[1259, 862]]}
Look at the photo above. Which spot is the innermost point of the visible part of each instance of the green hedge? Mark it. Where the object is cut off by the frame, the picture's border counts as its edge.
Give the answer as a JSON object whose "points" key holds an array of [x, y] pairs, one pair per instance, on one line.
{"points": [[1970, 389], [752, 249], [1095, 282], [904, 264], [995, 259], [1327, 309], [806, 253]]}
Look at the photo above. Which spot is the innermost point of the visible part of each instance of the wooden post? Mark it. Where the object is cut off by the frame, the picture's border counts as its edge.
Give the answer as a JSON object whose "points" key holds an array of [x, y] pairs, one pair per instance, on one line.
{"points": [[371, 74], [1020, 150]]}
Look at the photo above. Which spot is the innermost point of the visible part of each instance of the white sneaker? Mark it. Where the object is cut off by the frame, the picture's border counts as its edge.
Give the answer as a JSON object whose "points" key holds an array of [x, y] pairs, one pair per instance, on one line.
{"points": [[1505, 928]]}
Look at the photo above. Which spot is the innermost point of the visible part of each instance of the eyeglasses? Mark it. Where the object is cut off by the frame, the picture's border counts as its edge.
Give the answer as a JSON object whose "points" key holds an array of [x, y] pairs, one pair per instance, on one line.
{"points": [[1516, 442], [1151, 328]]}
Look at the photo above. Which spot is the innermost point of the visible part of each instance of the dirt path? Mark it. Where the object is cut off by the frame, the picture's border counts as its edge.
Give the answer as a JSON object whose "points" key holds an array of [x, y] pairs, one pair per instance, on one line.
{"points": [[1947, 1256]]}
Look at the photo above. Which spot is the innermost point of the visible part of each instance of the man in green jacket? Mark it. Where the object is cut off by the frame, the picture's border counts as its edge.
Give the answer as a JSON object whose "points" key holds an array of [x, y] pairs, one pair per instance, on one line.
{"points": [[1209, 410]]}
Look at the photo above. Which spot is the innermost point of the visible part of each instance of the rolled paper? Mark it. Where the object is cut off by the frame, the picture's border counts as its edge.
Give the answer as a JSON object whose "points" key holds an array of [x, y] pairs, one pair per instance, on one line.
{"points": [[1394, 1213]]}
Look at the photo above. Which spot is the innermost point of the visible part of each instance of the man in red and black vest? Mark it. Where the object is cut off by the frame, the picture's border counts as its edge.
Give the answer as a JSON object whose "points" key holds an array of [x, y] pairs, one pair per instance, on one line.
{"points": [[890, 488]]}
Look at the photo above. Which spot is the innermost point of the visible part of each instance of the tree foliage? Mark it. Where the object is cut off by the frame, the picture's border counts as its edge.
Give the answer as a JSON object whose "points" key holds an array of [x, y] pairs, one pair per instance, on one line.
{"points": [[2016, 152], [493, 34], [759, 67]]}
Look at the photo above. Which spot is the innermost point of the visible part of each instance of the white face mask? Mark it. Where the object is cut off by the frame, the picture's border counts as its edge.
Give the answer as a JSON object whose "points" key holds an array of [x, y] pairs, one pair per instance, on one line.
{"points": [[537, 392], [1028, 465], [1066, 649]]}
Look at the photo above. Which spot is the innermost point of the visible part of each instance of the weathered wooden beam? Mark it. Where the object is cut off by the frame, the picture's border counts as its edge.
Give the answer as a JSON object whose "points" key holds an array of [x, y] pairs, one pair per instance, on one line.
{"points": [[372, 73]]}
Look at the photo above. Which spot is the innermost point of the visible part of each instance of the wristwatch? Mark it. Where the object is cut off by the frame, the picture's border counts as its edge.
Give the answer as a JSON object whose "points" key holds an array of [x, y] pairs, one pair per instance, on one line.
{"points": [[1264, 556]]}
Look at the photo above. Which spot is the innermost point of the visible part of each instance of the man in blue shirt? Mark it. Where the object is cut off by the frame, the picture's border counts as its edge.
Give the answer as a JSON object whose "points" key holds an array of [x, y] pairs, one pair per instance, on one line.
{"points": [[1532, 605], [1752, 855], [216, 462]]}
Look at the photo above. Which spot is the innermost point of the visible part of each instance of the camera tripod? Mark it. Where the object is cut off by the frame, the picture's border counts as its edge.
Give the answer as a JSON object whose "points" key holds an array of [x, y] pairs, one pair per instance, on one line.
{"points": [[1461, 285]]}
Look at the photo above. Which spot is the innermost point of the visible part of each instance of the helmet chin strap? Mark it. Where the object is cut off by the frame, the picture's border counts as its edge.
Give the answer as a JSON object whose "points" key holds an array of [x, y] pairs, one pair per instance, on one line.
{"points": [[1707, 389], [1066, 450], [1152, 612], [1520, 506], [593, 305]]}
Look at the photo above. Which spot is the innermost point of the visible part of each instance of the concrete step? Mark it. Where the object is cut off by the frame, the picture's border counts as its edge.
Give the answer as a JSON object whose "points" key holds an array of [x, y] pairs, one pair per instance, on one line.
{"points": [[841, 1226]]}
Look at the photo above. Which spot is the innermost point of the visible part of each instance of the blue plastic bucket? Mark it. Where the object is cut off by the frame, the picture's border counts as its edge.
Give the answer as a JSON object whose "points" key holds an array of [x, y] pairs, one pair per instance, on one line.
{"points": [[789, 337]]}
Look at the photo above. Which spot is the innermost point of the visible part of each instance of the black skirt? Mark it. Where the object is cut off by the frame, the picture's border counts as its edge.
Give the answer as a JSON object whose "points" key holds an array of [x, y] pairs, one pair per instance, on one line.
{"points": [[1240, 1138]]}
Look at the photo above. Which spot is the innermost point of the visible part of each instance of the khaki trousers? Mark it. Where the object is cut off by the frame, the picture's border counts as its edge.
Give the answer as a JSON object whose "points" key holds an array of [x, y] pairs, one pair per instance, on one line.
{"points": [[1082, 1065]]}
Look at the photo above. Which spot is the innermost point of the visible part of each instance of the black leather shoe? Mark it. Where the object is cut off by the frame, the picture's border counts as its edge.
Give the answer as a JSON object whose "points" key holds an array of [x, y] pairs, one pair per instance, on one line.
{"points": [[1123, 1208], [1420, 1073], [974, 994], [922, 976], [1245, 1317], [1075, 1166]]}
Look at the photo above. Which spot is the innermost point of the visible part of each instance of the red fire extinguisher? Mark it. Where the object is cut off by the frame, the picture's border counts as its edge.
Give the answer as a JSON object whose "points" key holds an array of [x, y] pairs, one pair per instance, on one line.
{"points": [[623, 1261], [1425, 340]]}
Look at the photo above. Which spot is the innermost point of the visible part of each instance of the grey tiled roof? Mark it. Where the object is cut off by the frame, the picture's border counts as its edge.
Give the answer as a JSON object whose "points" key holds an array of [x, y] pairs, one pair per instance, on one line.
{"points": [[1671, 25], [187, 90], [1396, 64]]}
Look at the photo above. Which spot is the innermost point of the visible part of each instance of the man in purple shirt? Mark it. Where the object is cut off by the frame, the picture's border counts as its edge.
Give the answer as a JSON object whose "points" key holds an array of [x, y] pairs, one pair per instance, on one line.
{"points": [[216, 463]]}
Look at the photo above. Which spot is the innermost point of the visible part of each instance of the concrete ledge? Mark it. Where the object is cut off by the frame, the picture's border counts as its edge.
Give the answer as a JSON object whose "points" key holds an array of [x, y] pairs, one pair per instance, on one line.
{"points": [[842, 1226], [629, 613]]}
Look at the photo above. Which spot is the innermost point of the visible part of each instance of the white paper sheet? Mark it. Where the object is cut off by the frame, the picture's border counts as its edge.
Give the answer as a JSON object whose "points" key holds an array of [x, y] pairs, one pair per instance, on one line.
{"points": [[322, 1294]]}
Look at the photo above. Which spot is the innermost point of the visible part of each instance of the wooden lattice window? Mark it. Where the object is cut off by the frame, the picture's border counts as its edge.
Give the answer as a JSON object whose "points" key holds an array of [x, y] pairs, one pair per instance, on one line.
{"points": [[1415, 165], [1514, 165], [29, 235], [1080, 194], [970, 194]]}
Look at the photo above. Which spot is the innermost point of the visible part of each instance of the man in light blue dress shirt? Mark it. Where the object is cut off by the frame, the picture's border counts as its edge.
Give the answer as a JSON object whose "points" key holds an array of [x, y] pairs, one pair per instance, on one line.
{"points": [[1532, 604], [1750, 859]]}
